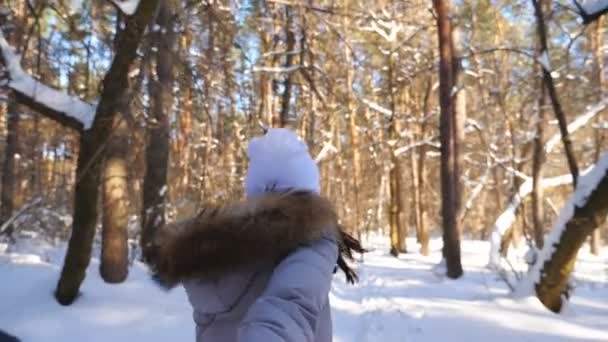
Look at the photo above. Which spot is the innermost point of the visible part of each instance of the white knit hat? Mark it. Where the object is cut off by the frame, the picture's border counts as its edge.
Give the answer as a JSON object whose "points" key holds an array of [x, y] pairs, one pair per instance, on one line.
{"points": [[279, 160]]}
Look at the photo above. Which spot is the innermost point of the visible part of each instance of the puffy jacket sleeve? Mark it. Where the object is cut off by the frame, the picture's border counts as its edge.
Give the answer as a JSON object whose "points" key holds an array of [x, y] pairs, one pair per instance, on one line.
{"points": [[296, 292]]}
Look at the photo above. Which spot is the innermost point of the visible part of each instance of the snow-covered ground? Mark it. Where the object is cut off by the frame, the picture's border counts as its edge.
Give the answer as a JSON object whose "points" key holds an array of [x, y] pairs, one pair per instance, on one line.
{"points": [[397, 300]]}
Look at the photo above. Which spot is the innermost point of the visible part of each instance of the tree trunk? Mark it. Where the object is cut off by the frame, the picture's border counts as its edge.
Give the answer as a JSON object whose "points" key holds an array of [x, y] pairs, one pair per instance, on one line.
{"points": [[552, 92], [353, 131], [114, 263], [460, 114], [587, 216], [397, 231], [420, 176], [184, 148], [539, 156], [114, 266], [596, 42], [9, 180], [10, 199], [395, 220], [287, 83], [91, 152], [157, 151], [537, 165], [449, 203]]}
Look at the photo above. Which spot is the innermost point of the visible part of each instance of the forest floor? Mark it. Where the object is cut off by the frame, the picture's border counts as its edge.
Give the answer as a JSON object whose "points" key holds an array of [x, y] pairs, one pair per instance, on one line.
{"points": [[404, 299]]}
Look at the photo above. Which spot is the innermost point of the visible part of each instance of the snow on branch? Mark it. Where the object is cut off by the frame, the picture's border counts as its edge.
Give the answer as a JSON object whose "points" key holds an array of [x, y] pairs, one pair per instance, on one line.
{"points": [[587, 184], [41, 94], [483, 181], [506, 219], [325, 151], [590, 10], [376, 107], [276, 70], [128, 7], [428, 142], [387, 29], [577, 123]]}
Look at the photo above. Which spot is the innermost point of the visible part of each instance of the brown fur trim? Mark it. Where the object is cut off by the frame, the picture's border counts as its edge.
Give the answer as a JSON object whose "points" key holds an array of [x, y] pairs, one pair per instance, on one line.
{"points": [[267, 227]]}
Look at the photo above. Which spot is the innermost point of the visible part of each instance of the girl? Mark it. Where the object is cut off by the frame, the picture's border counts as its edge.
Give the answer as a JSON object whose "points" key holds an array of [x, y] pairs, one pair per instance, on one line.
{"points": [[260, 269]]}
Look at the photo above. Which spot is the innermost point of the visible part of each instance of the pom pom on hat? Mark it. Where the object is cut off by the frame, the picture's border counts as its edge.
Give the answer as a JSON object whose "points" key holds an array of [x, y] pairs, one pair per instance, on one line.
{"points": [[278, 161]]}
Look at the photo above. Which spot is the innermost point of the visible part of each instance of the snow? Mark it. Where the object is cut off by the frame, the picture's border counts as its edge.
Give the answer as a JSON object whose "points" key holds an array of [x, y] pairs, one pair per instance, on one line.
{"points": [[579, 122], [506, 219], [327, 149], [544, 61], [593, 6], [396, 300], [128, 7], [375, 106], [276, 70], [58, 101], [589, 180]]}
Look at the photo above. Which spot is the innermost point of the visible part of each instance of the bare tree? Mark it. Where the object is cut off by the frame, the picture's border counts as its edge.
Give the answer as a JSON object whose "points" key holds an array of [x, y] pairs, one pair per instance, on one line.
{"points": [[552, 92], [90, 157]]}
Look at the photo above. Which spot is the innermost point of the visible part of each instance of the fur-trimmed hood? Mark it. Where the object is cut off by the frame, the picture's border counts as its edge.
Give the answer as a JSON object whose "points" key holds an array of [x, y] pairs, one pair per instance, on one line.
{"points": [[263, 228]]}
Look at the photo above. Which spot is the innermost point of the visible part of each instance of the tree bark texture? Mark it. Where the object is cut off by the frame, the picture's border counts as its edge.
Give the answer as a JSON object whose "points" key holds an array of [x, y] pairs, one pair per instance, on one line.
{"points": [[449, 201], [556, 271], [114, 265], [397, 231]]}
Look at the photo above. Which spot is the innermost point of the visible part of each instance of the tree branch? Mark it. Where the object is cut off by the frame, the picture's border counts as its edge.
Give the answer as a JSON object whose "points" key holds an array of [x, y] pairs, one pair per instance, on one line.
{"points": [[67, 110], [591, 10]]}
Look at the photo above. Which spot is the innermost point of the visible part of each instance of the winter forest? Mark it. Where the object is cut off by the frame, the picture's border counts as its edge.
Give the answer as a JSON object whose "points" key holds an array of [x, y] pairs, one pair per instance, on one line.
{"points": [[463, 142]]}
